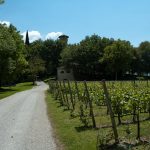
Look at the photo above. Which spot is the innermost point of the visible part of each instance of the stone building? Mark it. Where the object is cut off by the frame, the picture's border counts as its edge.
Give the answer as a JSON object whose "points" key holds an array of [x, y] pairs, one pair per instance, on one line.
{"points": [[64, 39], [64, 73]]}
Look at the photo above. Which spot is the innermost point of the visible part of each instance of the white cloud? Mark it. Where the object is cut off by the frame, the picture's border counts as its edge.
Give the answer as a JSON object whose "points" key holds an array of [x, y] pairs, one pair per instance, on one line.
{"points": [[7, 23], [33, 35], [53, 35]]}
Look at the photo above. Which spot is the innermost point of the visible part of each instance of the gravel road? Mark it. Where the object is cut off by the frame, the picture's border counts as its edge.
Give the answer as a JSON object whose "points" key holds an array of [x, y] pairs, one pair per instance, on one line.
{"points": [[24, 124]]}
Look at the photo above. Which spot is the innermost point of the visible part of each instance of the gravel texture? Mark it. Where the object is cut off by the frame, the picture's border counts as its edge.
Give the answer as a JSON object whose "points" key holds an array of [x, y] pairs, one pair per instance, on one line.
{"points": [[24, 124]]}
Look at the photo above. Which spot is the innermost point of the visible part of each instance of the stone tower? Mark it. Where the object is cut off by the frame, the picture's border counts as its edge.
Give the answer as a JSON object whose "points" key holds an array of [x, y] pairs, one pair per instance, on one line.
{"points": [[64, 39]]}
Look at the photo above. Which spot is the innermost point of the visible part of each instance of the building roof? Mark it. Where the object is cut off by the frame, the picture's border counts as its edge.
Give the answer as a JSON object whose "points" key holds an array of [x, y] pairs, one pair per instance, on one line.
{"points": [[63, 36]]}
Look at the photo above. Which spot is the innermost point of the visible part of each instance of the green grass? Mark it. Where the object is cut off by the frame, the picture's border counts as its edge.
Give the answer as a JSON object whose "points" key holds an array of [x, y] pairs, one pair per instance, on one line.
{"points": [[7, 91], [74, 136], [47, 79], [69, 131]]}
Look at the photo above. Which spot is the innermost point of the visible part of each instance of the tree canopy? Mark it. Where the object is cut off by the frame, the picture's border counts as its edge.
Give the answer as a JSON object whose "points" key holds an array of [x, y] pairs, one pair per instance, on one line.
{"points": [[2, 1], [12, 57], [117, 57], [93, 58]]}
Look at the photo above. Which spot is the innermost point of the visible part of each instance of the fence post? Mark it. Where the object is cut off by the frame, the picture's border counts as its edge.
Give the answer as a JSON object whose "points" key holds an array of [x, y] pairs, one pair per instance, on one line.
{"points": [[63, 96], [77, 90], [90, 104], [138, 123], [71, 97], [108, 102], [67, 100], [59, 93]]}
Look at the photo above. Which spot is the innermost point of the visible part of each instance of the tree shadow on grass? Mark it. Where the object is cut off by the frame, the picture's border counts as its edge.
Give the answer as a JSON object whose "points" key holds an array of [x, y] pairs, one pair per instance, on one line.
{"points": [[2, 90], [125, 146], [30, 84], [83, 128], [122, 146], [59, 105], [131, 122], [65, 109]]}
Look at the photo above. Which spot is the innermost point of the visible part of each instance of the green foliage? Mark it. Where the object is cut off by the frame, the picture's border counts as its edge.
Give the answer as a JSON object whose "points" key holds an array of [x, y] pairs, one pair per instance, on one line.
{"points": [[36, 66], [84, 115], [93, 58], [84, 57], [144, 53], [127, 99], [2, 1], [103, 139], [7, 51], [49, 51], [20, 53], [24, 62], [12, 58], [97, 58], [69, 55], [117, 56]]}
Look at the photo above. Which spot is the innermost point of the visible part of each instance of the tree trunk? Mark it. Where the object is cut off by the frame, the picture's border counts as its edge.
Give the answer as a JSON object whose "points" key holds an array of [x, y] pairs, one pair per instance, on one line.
{"points": [[116, 76], [0, 84], [119, 119]]}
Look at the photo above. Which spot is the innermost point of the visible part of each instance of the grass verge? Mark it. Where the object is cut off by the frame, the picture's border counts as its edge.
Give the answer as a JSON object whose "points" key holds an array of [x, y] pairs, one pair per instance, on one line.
{"points": [[69, 131], [7, 91]]}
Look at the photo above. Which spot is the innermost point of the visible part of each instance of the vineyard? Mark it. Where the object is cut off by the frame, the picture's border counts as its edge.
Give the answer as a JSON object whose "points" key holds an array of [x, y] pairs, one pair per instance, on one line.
{"points": [[119, 111]]}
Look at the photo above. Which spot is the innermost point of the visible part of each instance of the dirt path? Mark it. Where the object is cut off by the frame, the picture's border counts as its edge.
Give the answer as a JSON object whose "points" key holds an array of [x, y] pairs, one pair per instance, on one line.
{"points": [[24, 124]]}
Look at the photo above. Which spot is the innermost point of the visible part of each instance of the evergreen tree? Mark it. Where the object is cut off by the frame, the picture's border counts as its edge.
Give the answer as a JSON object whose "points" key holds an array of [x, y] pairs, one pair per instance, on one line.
{"points": [[2, 1], [27, 39]]}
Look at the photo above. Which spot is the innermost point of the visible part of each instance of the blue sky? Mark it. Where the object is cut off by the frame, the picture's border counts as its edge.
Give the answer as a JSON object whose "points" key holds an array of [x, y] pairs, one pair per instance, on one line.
{"points": [[127, 20]]}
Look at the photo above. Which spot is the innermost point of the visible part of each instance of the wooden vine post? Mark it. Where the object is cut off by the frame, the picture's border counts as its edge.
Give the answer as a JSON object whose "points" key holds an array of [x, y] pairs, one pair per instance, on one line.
{"points": [[65, 89], [108, 102], [63, 96], [138, 123], [77, 90], [90, 104], [71, 96], [56, 90], [60, 93]]}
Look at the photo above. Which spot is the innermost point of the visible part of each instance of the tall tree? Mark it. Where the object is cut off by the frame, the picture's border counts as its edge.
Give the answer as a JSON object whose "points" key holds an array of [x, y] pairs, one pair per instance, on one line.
{"points": [[27, 39], [50, 53], [36, 66], [117, 57], [7, 50], [144, 53], [135, 62], [20, 54]]}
